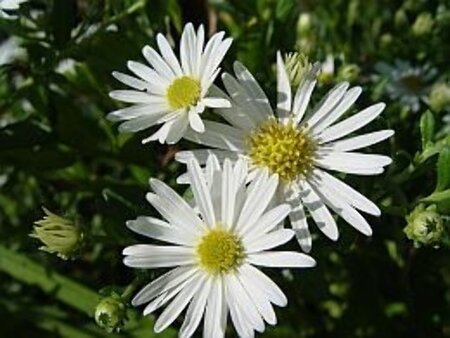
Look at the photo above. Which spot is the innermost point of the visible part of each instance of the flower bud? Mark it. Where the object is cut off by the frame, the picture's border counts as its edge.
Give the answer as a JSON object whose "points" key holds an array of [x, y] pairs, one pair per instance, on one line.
{"points": [[425, 226], [304, 24], [110, 313], [348, 72], [297, 65], [439, 98], [423, 24], [327, 72], [59, 235]]}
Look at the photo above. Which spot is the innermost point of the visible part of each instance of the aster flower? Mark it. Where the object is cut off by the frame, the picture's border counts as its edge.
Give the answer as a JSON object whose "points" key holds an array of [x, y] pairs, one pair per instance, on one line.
{"points": [[300, 148], [169, 92], [214, 250], [9, 5], [406, 83]]}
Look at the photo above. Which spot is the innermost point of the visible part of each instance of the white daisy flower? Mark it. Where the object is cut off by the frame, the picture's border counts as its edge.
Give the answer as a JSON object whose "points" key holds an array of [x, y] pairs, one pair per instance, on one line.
{"points": [[168, 92], [9, 5], [299, 147], [214, 250]]}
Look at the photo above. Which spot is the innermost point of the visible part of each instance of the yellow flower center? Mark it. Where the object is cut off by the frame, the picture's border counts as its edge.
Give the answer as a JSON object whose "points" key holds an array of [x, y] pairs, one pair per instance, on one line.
{"points": [[220, 251], [183, 92], [286, 150]]}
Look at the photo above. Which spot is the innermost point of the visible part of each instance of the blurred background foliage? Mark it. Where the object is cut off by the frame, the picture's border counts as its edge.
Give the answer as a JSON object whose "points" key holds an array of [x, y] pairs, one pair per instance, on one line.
{"points": [[57, 150]]}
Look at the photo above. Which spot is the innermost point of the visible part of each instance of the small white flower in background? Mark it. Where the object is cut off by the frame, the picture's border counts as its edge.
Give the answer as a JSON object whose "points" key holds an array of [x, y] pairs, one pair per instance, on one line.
{"points": [[214, 250], [299, 147], [9, 5], [171, 93]]}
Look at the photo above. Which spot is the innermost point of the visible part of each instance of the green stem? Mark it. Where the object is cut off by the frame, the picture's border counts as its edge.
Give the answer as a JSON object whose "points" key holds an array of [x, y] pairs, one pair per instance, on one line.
{"points": [[62, 288]]}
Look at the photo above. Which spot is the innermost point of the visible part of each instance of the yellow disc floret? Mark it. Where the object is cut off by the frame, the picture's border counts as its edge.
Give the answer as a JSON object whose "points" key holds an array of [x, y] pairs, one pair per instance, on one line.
{"points": [[183, 92], [220, 251], [286, 150]]}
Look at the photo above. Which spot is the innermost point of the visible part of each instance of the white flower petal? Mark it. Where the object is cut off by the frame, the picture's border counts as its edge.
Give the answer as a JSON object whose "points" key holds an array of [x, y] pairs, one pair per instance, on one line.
{"points": [[319, 211], [179, 303], [350, 215], [158, 64], [268, 221], [155, 256], [163, 284], [341, 161], [140, 123], [347, 193], [138, 110], [244, 303], [166, 296], [156, 83], [157, 229], [238, 317], [130, 81], [268, 241], [258, 297], [202, 155], [134, 96], [213, 57], [347, 101], [218, 135], [195, 311], [278, 259], [168, 54], [228, 194], [351, 124], [242, 100], [170, 210], [177, 129], [258, 98], [187, 214], [284, 94], [214, 308], [196, 122], [260, 193], [216, 102], [304, 93], [327, 104], [265, 284], [298, 219], [201, 193], [360, 141]]}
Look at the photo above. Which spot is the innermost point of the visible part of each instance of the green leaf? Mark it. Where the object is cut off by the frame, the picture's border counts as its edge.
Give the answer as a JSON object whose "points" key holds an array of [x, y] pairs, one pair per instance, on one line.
{"points": [[427, 128], [23, 134], [437, 197], [443, 169]]}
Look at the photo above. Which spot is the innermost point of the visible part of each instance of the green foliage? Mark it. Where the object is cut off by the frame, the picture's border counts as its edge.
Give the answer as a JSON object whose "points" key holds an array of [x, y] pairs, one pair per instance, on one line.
{"points": [[57, 150]]}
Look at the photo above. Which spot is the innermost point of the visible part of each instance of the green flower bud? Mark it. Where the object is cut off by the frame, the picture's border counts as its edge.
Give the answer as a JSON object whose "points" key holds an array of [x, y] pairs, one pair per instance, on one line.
{"points": [[59, 235], [304, 24], [423, 24], [386, 40], [425, 226], [327, 72], [110, 313], [348, 72], [400, 18], [297, 65], [439, 98]]}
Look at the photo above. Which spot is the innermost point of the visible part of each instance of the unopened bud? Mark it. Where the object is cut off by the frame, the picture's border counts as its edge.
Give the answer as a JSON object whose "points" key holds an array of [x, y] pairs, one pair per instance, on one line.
{"points": [[425, 226], [439, 98], [297, 66], [110, 313], [59, 235], [423, 24]]}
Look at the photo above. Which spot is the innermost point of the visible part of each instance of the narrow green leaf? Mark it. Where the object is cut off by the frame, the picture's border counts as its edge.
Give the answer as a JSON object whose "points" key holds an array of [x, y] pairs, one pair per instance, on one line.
{"points": [[437, 197], [427, 128], [443, 169]]}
